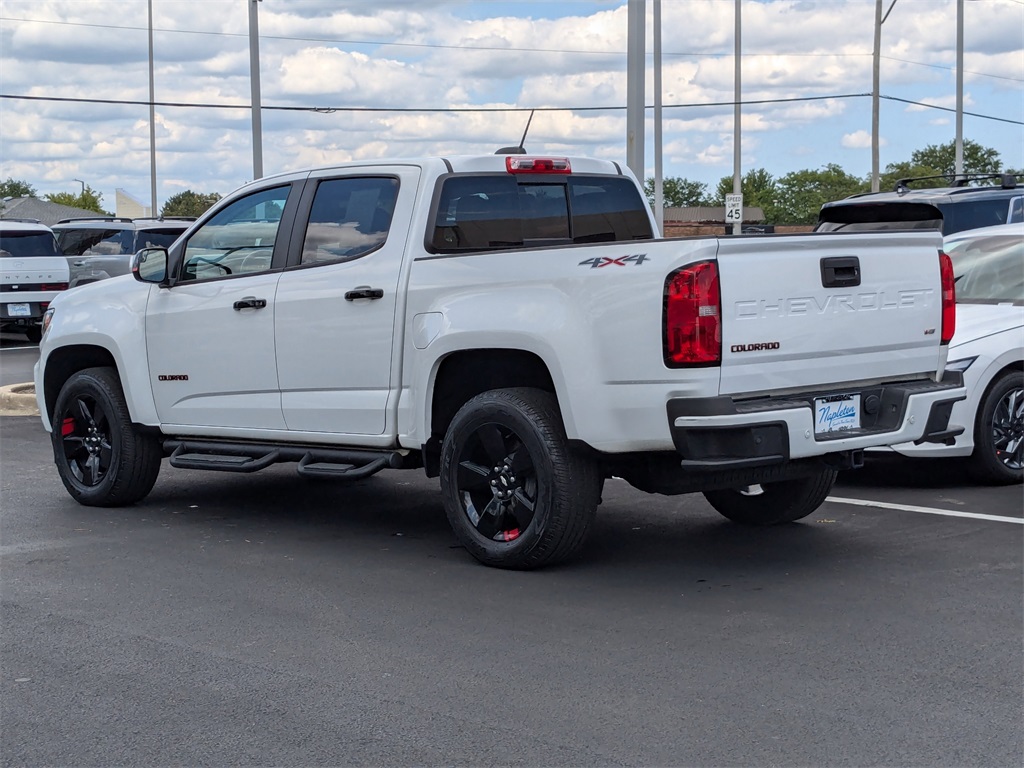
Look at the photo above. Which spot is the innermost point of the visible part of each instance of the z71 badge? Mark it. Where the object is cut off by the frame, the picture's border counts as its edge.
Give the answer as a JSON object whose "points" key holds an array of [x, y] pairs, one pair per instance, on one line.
{"points": [[606, 261]]}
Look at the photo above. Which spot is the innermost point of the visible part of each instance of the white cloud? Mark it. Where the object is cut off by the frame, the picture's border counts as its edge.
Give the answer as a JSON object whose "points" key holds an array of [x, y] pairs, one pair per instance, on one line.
{"points": [[860, 140], [426, 54]]}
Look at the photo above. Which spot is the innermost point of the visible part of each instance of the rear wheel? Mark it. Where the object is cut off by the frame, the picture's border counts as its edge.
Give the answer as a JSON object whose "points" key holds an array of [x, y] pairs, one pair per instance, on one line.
{"points": [[776, 503], [999, 432], [103, 459], [34, 334], [516, 494]]}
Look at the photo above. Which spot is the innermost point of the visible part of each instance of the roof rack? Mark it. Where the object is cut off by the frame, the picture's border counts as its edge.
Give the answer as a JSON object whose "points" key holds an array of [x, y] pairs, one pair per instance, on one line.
{"points": [[23, 221], [166, 218], [1006, 180], [95, 218]]}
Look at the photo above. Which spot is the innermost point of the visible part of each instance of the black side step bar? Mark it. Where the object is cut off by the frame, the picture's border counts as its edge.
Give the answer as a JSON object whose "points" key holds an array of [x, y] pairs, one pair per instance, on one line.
{"points": [[317, 461]]}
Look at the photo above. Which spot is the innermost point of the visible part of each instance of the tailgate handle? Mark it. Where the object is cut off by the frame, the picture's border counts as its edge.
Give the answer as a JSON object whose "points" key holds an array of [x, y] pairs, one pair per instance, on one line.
{"points": [[840, 272]]}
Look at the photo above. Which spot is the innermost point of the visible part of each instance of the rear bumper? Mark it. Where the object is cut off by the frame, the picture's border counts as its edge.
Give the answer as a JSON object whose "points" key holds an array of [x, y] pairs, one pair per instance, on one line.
{"points": [[722, 433]]}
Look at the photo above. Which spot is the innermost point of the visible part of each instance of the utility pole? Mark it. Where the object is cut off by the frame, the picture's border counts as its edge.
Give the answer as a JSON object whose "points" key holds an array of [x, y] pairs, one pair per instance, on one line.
{"points": [[737, 177], [636, 20], [875, 78], [959, 161], [254, 80], [659, 190], [152, 122]]}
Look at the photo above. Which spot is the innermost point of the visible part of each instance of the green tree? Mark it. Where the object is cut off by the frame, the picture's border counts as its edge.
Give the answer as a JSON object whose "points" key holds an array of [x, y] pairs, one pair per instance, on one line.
{"points": [[942, 157], [188, 203], [678, 192], [895, 172], [16, 188], [759, 191], [88, 200], [800, 194]]}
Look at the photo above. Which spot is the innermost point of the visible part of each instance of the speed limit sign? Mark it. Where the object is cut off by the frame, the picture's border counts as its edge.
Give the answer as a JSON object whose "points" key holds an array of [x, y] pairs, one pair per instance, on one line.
{"points": [[734, 209]]}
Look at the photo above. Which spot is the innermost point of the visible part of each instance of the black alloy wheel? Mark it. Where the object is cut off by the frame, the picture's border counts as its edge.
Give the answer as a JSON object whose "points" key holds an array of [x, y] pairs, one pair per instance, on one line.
{"points": [[104, 459], [85, 435], [497, 482], [999, 431], [516, 493]]}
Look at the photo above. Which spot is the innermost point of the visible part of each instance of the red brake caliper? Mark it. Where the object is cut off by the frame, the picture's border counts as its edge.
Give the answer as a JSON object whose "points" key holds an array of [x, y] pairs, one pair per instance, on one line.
{"points": [[67, 427]]}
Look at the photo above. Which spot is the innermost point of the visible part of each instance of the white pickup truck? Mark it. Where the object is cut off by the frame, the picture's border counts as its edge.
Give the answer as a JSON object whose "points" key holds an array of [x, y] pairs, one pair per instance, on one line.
{"points": [[511, 324]]}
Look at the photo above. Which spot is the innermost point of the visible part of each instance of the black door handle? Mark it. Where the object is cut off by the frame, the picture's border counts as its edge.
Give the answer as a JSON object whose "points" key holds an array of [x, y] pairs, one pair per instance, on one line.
{"points": [[840, 272], [364, 292], [250, 302]]}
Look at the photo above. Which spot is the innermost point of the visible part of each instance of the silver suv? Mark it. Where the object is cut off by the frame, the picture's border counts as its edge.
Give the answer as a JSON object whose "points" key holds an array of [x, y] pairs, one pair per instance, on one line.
{"points": [[102, 247]]}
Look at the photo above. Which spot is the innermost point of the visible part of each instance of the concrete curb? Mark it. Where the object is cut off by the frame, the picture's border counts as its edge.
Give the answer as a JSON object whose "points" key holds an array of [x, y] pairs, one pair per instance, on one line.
{"points": [[18, 400]]}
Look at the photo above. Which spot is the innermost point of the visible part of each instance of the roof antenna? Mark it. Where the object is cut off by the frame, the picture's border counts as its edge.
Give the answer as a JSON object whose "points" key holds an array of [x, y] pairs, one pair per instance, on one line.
{"points": [[520, 150]]}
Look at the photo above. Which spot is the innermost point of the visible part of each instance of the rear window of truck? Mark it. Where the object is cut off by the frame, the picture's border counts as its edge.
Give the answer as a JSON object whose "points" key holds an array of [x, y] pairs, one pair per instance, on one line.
{"points": [[489, 212]]}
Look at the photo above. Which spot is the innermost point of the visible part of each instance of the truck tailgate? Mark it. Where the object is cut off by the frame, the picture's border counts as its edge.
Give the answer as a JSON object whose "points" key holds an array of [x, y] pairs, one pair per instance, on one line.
{"points": [[805, 311]]}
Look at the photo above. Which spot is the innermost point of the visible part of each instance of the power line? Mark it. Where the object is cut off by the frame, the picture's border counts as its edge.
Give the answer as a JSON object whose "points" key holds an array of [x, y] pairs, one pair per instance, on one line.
{"points": [[459, 110], [490, 48]]}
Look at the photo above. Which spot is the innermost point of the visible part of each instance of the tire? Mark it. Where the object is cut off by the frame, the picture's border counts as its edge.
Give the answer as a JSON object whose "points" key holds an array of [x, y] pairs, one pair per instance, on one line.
{"points": [[781, 502], [103, 459], [34, 334], [998, 456], [516, 494]]}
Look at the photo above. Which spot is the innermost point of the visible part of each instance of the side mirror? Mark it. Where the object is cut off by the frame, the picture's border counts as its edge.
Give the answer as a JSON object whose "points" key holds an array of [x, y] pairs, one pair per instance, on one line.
{"points": [[150, 265]]}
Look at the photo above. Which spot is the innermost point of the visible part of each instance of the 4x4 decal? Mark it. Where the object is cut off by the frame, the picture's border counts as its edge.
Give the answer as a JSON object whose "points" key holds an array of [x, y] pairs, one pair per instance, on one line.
{"points": [[604, 261]]}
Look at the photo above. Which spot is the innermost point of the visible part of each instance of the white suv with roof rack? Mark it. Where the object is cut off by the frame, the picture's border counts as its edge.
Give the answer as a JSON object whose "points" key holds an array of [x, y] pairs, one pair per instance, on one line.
{"points": [[32, 273]]}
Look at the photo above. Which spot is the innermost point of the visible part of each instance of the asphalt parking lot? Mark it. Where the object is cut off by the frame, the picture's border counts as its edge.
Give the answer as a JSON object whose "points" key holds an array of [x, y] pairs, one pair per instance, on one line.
{"points": [[267, 619]]}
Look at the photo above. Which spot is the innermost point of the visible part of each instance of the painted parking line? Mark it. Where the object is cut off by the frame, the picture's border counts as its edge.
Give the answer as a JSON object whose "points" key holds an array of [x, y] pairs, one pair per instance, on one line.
{"points": [[924, 510]]}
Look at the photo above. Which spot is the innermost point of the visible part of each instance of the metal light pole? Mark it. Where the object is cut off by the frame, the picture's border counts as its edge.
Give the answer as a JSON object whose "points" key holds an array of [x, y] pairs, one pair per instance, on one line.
{"points": [[152, 121], [959, 162], [737, 180], [254, 80], [83, 186], [659, 191], [875, 77], [636, 18]]}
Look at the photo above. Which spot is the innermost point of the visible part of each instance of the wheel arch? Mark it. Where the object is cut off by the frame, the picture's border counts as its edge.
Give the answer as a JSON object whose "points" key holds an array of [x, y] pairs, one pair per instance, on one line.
{"points": [[464, 374], [63, 362], [1013, 366]]}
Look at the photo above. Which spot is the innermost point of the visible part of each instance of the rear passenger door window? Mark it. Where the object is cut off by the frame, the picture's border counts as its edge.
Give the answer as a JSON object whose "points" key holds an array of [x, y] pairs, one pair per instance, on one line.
{"points": [[349, 218]]}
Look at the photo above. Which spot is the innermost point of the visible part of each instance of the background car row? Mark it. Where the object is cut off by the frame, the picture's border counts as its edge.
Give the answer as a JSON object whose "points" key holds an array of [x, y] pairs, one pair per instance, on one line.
{"points": [[36, 261]]}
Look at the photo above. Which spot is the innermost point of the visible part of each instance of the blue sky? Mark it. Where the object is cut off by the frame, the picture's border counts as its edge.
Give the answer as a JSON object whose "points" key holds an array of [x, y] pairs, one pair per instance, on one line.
{"points": [[436, 55]]}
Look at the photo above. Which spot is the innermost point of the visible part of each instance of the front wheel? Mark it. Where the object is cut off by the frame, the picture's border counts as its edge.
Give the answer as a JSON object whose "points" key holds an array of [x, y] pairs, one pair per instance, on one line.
{"points": [[517, 495], [999, 432], [776, 503], [103, 459]]}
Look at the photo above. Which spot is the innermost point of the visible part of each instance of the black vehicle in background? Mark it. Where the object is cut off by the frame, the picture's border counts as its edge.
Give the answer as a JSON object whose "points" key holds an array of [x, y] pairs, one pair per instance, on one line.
{"points": [[102, 247], [950, 209]]}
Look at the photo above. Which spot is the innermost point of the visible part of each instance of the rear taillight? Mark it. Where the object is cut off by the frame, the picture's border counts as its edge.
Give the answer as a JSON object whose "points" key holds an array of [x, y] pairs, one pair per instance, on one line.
{"points": [[693, 317], [948, 297], [519, 164], [53, 287]]}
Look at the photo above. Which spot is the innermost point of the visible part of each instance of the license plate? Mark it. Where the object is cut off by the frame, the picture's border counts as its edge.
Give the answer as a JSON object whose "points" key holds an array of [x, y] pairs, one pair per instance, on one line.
{"points": [[836, 413], [19, 310]]}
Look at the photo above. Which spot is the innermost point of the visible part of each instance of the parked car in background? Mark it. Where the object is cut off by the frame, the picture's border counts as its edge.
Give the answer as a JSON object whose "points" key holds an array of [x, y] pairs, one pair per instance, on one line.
{"points": [[950, 209], [988, 347], [102, 247], [32, 273]]}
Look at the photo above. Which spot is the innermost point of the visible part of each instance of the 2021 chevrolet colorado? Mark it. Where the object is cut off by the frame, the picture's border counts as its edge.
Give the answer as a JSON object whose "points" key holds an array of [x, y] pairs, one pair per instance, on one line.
{"points": [[510, 324]]}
